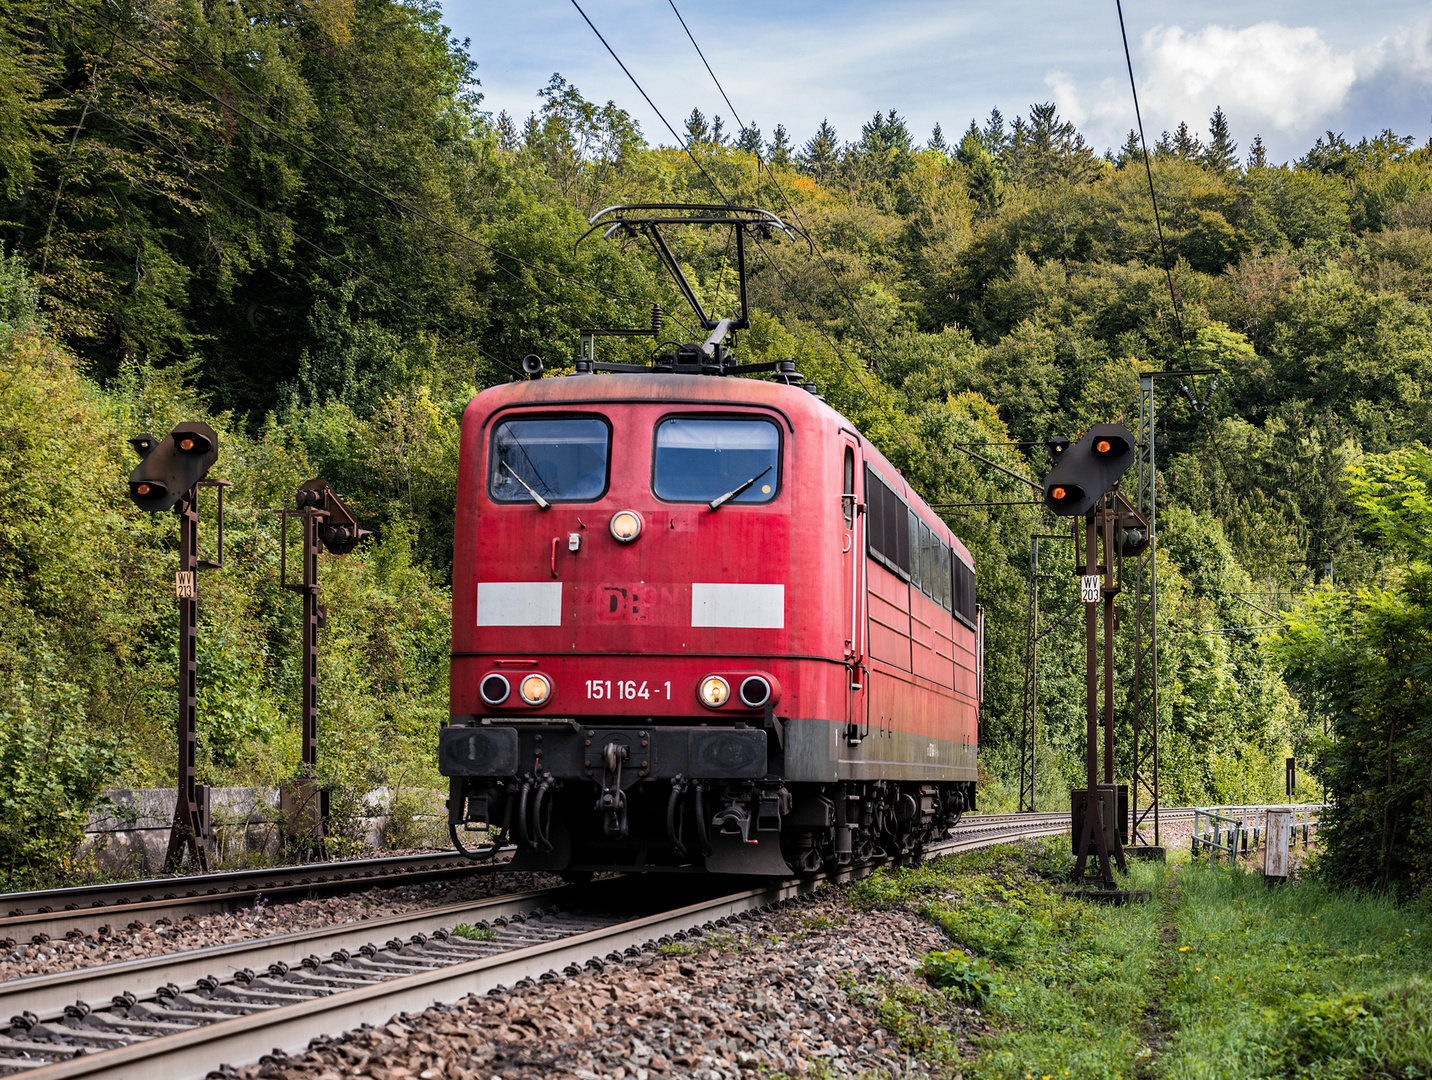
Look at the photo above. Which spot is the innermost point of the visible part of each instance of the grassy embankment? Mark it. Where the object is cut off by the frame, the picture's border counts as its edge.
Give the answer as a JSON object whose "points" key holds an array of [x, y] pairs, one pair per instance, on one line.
{"points": [[1219, 977]]}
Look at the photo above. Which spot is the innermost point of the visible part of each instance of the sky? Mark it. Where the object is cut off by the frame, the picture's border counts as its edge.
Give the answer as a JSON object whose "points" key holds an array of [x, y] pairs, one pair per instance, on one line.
{"points": [[1283, 70]]}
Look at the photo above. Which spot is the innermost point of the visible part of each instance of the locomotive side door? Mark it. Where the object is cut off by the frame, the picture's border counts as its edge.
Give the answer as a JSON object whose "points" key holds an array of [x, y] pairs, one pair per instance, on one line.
{"points": [[853, 525]]}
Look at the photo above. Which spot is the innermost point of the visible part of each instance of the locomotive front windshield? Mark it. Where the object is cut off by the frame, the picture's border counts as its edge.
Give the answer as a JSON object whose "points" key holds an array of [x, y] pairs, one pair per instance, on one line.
{"points": [[563, 460], [701, 460]]}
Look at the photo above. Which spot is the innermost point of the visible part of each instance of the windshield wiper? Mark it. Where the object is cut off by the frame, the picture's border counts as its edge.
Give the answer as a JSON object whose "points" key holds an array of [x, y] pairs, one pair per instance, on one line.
{"points": [[541, 502], [722, 500]]}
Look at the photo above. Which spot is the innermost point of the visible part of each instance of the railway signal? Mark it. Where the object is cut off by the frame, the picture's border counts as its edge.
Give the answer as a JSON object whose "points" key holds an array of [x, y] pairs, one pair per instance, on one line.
{"points": [[327, 523], [169, 467], [1084, 482], [1084, 471], [169, 474]]}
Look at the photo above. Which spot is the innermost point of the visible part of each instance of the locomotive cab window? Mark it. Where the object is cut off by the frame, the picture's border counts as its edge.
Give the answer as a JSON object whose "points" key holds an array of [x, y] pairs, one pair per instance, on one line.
{"points": [[847, 488], [561, 460], [700, 459]]}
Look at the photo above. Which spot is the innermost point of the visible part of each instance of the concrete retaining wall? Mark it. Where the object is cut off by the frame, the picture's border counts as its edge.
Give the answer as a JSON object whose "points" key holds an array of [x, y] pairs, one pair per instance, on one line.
{"points": [[133, 838]]}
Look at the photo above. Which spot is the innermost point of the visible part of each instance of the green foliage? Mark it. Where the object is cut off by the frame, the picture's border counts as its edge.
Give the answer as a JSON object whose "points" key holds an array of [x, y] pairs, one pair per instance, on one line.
{"points": [[1363, 657], [962, 976], [332, 247], [1218, 976], [52, 771], [1303, 981], [474, 933]]}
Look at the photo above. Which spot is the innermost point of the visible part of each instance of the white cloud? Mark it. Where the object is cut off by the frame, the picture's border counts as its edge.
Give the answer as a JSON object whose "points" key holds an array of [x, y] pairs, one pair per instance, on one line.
{"points": [[1287, 77], [1100, 115]]}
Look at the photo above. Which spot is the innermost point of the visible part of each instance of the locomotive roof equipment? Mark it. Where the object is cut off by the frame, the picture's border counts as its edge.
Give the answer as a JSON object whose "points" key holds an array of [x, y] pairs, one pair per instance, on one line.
{"points": [[710, 357]]}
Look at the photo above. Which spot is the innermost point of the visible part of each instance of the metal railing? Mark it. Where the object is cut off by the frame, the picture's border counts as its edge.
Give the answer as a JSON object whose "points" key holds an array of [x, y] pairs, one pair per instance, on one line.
{"points": [[1235, 830]]}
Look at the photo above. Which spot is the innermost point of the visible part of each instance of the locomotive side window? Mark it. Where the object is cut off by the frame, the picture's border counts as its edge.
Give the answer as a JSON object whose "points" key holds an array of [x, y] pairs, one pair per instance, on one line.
{"points": [[561, 460], [964, 591], [887, 527], [942, 563], [698, 460]]}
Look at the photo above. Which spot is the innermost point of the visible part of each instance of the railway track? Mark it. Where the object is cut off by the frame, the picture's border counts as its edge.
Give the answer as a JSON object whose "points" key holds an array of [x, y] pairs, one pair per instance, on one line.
{"points": [[177, 1016], [53, 913], [56, 912]]}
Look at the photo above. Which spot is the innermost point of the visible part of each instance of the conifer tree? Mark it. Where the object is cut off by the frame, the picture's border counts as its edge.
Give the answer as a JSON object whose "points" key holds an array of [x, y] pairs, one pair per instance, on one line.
{"points": [[937, 141], [718, 132], [778, 150], [1257, 154], [698, 132], [995, 139], [819, 156], [507, 135], [1132, 150], [749, 139], [1221, 153], [1186, 146], [982, 180]]}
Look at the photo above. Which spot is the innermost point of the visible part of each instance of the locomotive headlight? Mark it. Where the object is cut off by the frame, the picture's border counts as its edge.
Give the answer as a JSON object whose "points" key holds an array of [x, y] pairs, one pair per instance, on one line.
{"points": [[626, 525], [494, 689], [535, 689], [755, 691], [714, 691]]}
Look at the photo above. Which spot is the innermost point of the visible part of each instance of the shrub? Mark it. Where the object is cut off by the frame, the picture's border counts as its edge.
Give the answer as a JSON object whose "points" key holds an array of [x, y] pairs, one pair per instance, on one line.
{"points": [[966, 977]]}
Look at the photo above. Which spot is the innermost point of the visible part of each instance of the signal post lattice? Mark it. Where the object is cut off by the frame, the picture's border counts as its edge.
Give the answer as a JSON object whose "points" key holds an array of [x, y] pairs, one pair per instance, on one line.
{"points": [[1144, 788]]}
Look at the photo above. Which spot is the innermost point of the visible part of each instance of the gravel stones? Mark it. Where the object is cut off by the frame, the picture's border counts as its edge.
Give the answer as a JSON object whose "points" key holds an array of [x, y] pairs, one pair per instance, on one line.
{"points": [[124, 942], [781, 992]]}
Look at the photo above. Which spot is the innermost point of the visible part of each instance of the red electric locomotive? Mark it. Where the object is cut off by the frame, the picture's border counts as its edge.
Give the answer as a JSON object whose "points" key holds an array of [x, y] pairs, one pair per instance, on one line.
{"points": [[700, 623]]}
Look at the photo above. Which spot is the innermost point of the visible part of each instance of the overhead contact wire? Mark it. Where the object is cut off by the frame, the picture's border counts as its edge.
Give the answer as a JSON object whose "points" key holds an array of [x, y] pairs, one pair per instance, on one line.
{"points": [[1153, 196], [762, 163], [716, 187]]}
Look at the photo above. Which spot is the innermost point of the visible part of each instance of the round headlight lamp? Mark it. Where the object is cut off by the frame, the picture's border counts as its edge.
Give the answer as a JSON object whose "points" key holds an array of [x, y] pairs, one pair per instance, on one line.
{"points": [[535, 688], [755, 691], [626, 526], [713, 691], [494, 689]]}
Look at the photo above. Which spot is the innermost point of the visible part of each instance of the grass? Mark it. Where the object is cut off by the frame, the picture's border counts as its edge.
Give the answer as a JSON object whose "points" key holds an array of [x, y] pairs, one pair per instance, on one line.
{"points": [[1297, 981], [474, 933], [1219, 978]]}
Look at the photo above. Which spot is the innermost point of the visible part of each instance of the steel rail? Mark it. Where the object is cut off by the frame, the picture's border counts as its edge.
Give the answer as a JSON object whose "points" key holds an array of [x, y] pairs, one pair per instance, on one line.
{"points": [[193, 1053], [54, 912], [86, 908], [47, 995]]}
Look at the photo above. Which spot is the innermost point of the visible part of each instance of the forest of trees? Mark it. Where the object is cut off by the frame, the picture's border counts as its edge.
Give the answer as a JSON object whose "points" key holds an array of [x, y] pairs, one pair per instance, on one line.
{"points": [[300, 223]]}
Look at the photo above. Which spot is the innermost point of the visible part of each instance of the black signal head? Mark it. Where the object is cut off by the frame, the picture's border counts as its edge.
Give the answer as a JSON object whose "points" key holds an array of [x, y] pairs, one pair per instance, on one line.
{"points": [[1084, 471], [339, 532], [143, 444], [1110, 445], [171, 466], [1057, 446]]}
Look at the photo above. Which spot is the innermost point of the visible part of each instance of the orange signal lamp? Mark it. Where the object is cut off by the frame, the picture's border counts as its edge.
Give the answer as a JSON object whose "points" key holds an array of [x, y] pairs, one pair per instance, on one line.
{"points": [[142, 489], [186, 444], [1058, 493], [1102, 446]]}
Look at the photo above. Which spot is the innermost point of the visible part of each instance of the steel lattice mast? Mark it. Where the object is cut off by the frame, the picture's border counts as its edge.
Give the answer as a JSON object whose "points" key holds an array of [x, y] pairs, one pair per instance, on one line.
{"points": [[1144, 790]]}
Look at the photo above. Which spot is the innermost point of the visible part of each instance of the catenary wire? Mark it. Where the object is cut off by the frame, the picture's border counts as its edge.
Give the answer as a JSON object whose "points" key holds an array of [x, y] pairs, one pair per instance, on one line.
{"points": [[860, 375], [762, 163], [1153, 198]]}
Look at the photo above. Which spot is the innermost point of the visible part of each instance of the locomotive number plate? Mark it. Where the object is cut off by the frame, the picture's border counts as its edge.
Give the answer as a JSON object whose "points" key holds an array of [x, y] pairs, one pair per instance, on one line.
{"points": [[627, 690]]}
